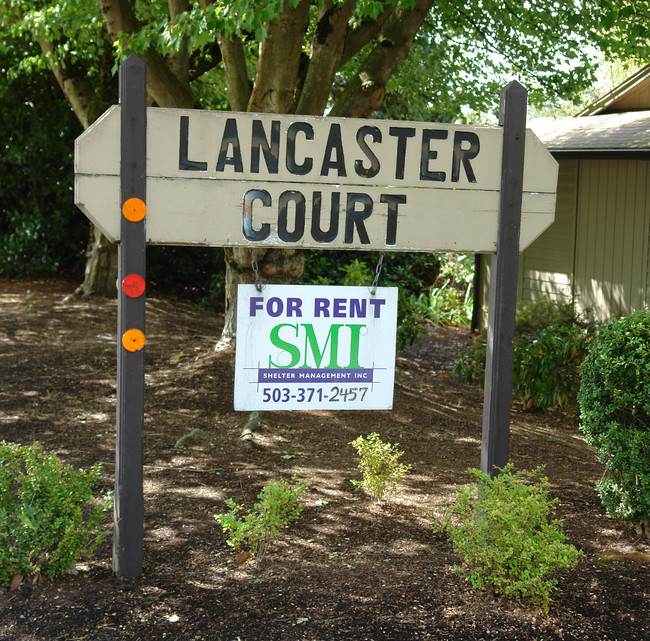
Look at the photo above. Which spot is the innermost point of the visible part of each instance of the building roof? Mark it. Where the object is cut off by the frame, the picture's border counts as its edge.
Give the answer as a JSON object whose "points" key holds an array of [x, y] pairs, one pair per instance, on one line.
{"points": [[617, 134], [617, 125], [631, 94]]}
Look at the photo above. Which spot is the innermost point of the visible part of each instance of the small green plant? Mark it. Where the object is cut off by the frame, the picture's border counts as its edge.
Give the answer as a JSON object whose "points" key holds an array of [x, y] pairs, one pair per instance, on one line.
{"points": [[504, 530], [278, 506], [48, 516], [381, 471], [450, 301], [614, 401], [532, 317], [357, 273]]}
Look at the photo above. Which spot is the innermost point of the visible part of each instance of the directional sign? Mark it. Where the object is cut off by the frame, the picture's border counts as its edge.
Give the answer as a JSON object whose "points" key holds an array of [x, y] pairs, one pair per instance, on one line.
{"points": [[238, 179]]}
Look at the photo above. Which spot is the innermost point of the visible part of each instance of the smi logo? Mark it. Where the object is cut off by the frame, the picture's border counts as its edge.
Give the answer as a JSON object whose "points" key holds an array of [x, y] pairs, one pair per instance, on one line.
{"points": [[299, 346]]}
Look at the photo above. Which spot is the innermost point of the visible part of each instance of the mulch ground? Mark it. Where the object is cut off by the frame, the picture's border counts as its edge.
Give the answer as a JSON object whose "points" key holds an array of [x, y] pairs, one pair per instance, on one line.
{"points": [[348, 569]]}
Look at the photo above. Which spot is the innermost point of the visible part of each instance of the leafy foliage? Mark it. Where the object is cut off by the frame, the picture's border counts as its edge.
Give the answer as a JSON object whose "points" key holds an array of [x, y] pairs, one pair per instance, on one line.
{"points": [[532, 318], [433, 288], [41, 231], [277, 507], [546, 357], [449, 301], [624, 29], [48, 516], [460, 58], [614, 403], [505, 531], [379, 466], [545, 369], [75, 30]]}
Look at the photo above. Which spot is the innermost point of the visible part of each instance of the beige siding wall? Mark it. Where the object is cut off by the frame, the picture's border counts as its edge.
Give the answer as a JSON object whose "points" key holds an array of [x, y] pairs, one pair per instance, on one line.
{"points": [[611, 257], [546, 267], [637, 98], [596, 251]]}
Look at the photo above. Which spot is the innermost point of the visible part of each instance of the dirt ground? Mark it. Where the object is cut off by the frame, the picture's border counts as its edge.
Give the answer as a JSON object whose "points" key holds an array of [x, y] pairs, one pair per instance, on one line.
{"points": [[348, 569]]}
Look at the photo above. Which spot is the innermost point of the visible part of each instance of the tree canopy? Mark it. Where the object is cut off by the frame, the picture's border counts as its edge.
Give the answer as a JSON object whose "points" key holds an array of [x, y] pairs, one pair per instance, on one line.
{"points": [[328, 56], [415, 59]]}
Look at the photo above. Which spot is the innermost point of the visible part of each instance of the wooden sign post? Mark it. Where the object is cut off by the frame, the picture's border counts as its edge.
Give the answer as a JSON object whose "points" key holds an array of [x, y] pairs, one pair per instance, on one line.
{"points": [[128, 500], [503, 284], [252, 180]]}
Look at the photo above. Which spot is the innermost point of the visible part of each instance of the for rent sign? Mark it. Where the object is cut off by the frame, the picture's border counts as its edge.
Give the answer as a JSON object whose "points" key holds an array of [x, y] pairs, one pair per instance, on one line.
{"points": [[317, 347]]}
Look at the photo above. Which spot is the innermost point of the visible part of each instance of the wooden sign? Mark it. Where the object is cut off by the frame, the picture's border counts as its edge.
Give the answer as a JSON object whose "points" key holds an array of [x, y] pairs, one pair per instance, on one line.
{"points": [[221, 178], [315, 347]]}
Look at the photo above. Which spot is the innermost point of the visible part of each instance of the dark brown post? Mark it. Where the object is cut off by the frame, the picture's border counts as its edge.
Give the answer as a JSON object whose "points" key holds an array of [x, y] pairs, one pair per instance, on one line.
{"points": [[503, 284], [129, 502]]}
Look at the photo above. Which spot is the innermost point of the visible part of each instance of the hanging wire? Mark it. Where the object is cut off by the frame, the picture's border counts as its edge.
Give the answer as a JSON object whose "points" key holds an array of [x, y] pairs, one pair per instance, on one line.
{"points": [[373, 287], [256, 271]]}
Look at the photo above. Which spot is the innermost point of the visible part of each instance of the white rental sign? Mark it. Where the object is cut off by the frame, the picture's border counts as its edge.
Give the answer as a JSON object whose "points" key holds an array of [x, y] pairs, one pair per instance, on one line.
{"points": [[239, 179], [316, 347]]}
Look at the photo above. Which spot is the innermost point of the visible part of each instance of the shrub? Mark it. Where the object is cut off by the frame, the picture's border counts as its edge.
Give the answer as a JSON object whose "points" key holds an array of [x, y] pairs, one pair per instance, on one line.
{"points": [[545, 361], [48, 517], [614, 401], [545, 369], [504, 530], [277, 507], [532, 318], [381, 471]]}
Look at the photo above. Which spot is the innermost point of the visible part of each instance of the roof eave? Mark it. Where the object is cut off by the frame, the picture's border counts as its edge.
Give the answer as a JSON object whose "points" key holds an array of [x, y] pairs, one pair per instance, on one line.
{"points": [[601, 154]]}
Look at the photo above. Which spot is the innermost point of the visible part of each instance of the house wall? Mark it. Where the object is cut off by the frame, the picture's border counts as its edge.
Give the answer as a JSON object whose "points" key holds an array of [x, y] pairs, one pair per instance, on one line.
{"points": [[596, 252], [612, 235], [546, 267]]}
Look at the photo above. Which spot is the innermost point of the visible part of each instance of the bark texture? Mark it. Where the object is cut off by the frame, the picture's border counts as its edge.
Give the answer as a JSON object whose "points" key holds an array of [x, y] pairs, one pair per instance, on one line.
{"points": [[325, 60], [100, 278], [279, 61], [240, 86]]}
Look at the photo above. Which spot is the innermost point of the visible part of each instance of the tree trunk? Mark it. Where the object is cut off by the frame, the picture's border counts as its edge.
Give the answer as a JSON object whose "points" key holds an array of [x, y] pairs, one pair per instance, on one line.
{"points": [[100, 278], [365, 93], [276, 266], [283, 83], [274, 90]]}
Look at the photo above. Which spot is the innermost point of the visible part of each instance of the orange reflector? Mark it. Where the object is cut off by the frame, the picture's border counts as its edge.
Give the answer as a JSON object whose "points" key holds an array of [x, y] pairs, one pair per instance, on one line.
{"points": [[133, 285], [134, 209], [133, 340]]}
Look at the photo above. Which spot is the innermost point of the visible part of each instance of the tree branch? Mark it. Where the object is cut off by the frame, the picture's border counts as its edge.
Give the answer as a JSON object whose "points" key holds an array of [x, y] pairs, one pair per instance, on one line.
{"points": [[366, 91], [234, 64], [279, 61], [367, 31], [325, 59], [179, 60], [163, 85], [77, 88]]}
